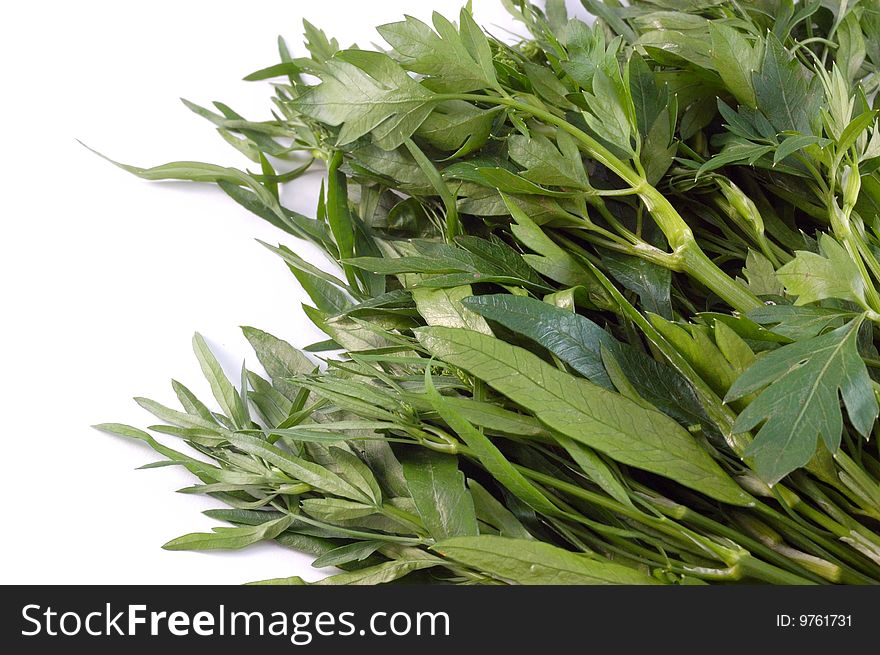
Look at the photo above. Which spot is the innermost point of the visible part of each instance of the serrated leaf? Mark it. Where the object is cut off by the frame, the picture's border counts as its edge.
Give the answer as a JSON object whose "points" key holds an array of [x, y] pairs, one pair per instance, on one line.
{"points": [[802, 385], [444, 307], [549, 164], [583, 411], [443, 55], [573, 338], [458, 126], [577, 341], [760, 275], [798, 322], [367, 92], [782, 90], [813, 277]]}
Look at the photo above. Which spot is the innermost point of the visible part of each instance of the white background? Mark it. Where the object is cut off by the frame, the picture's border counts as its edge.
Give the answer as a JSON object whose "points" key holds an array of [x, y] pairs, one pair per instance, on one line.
{"points": [[104, 277]]}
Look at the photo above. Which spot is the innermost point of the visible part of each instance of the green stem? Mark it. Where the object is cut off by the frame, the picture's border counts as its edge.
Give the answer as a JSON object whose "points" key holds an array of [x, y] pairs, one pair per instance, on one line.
{"points": [[678, 233], [737, 559]]}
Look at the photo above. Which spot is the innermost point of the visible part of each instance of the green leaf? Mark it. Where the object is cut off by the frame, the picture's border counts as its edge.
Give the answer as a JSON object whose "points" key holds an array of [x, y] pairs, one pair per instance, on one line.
{"points": [[437, 487], [367, 93], [798, 323], [599, 418], [734, 59], [194, 171], [231, 538], [577, 341], [489, 455], [800, 402], [608, 117], [338, 214], [650, 281], [735, 153], [573, 338], [760, 275], [612, 16], [833, 274], [444, 307], [280, 359], [551, 260], [595, 469], [300, 469], [458, 126], [202, 470], [454, 62], [851, 44], [336, 509], [325, 290], [221, 387], [357, 551], [695, 344], [519, 561], [791, 144], [191, 404], [494, 513], [649, 98], [181, 419], [351, 469], [782, 91], [381, 573], [545, 163]]}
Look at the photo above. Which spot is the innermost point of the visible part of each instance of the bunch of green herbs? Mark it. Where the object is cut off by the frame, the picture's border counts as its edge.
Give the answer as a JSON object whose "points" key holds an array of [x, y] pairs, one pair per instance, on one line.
{"points": [[606, 306]]}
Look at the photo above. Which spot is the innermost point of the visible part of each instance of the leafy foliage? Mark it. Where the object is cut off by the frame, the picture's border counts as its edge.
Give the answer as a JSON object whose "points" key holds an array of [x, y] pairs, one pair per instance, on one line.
{"points": [[591, 292]]}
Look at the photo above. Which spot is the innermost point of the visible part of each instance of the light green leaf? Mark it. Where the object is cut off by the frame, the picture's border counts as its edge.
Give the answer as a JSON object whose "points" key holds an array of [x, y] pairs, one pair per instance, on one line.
{"points": [[547, 163], [734, 59], [760, 275], [298, 468], [520, 561], [280, 359], [489, 455], [353, 552], [437, 487], [336, 509], [443, 307], [833, 274], [368, 93], [231, 538], [493, 512], [599, 418], [443, 55], [458, 126], [221, 387]]}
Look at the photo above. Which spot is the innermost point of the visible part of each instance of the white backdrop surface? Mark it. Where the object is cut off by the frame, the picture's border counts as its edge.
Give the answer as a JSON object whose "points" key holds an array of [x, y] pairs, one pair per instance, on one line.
{"points": [[104, 277]]}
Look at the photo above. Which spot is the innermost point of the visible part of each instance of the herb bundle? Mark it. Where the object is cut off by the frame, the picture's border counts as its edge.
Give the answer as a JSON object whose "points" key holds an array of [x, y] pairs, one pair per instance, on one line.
{"points": [[605, 311]]}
